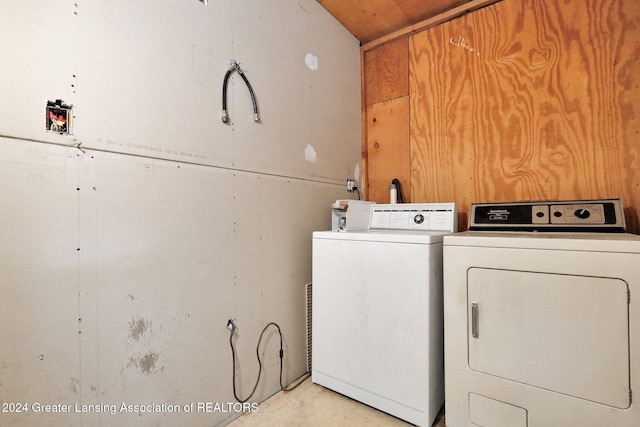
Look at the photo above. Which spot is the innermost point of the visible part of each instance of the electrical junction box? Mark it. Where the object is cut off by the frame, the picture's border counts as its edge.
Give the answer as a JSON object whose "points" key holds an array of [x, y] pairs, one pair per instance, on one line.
{"points": [[58, 117]]}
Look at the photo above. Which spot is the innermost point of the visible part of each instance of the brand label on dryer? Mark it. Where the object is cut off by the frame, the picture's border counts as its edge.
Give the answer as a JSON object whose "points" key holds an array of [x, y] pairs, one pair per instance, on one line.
{"points": [[498, 214]]}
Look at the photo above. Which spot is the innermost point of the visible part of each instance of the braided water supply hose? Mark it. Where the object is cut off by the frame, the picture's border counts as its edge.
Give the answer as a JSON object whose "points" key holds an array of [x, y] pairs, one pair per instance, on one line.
{"points": [[225, 113]]}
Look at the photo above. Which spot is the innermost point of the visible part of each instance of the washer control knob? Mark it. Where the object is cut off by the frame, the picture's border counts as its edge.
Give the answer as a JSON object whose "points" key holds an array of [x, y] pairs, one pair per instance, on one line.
{"points": [[582, 213], [557, 214], [418, 219]]}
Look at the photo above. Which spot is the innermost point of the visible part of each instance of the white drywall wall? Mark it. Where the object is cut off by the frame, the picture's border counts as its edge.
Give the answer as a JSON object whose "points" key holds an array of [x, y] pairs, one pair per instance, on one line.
{"points": [[122, 260]]}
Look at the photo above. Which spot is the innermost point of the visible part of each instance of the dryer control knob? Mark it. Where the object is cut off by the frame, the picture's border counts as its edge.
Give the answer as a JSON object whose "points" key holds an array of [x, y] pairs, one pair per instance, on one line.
{"points": [[418, 219], [582, 213]]}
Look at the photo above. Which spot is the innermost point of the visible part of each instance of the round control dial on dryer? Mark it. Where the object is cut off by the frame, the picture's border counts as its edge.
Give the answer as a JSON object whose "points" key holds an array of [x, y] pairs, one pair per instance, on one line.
{"points": [[582, 213], [592, 213], [540, 214], [418, 219]]}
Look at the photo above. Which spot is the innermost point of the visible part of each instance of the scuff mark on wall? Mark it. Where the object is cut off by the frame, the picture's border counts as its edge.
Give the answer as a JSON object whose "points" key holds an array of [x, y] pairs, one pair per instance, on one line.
{"points": [[312, 61], [74, 385], [137, 328], [140, 337], [146, 364], [310, 154]]}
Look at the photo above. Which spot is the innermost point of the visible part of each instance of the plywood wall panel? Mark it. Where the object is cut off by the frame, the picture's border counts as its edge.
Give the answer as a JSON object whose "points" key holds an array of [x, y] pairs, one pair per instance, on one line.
{"points": [[528, 100], [386, 71], [386, 109], [388, 148]]}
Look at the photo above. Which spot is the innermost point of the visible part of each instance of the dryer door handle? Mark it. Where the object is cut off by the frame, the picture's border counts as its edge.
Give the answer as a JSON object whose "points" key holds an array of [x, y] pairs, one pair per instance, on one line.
{"points": [[474, 320]]}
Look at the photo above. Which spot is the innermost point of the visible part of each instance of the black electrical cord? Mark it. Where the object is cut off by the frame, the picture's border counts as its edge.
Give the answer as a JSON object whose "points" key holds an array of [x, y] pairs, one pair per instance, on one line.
{"points": [[281, 355], [351, 188]]}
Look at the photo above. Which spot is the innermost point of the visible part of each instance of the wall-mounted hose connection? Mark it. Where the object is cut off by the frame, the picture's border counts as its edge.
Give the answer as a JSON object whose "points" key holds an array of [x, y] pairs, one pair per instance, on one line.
{"points": [[396, 182], [225, 113]]}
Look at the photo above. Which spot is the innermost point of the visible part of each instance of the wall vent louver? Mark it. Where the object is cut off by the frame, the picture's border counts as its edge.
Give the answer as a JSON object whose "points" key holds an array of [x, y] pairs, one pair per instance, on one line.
{"points": [[308, 298]]}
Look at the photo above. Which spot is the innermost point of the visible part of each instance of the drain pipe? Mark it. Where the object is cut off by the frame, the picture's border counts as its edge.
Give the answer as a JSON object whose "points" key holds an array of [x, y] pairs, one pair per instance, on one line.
{"points": [[225, 113]]}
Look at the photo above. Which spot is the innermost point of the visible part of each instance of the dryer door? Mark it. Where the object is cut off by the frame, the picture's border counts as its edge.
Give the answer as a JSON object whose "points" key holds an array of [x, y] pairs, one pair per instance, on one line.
{"points": [[564, 333]]}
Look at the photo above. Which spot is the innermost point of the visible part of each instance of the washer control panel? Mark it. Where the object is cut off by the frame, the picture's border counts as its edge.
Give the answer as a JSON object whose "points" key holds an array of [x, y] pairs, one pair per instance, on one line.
{"points": [[414, 216], [575, 215]]}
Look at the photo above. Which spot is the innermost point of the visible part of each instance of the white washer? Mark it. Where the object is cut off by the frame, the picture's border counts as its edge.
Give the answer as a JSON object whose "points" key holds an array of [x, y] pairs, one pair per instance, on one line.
{"points": [[542, 329], [377, 323]]}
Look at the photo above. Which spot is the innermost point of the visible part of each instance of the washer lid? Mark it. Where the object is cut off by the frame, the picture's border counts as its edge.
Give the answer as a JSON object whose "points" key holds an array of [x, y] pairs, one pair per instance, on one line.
{"points": [[389, 236]]}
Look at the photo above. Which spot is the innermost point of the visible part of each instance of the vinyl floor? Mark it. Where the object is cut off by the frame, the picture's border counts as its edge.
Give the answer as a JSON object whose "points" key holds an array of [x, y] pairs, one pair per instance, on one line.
{"points": [[311, 405]]}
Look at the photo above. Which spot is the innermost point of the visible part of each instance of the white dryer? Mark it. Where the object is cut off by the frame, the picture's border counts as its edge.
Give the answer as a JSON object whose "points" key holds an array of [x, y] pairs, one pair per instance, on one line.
{"points": [[377, 323], [542, 329]]}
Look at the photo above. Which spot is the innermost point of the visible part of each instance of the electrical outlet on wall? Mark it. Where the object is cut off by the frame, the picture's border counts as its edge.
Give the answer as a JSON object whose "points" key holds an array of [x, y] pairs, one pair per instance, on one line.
{"points": [[351, 185]]}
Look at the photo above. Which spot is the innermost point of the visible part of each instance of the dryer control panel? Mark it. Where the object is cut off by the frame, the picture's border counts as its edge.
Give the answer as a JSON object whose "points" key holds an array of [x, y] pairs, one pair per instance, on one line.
{"points": [[574, 215]]}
